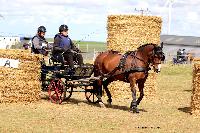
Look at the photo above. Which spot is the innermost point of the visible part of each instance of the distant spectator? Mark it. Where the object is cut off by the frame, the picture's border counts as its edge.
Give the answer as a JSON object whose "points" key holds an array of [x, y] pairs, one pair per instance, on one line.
{"points": [[184, 55], [183, 52], [178, 54], [25, 46]]}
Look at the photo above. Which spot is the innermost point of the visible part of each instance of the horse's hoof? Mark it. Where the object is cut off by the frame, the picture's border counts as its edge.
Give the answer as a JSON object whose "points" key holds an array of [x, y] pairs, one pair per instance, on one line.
{"points": [[102, 105], [109, 103], [134, 110]]}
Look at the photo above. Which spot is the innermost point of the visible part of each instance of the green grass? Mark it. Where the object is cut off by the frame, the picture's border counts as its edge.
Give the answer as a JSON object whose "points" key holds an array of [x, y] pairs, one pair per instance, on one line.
{"points": [[92, 45], [177, 70], [168, 111]]}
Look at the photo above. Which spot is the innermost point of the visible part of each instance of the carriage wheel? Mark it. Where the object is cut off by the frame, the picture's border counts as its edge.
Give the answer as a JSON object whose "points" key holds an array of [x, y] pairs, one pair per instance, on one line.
{"points": [[67, 93], [44, 86], [50, 62], [91, 94], [55, 90]]}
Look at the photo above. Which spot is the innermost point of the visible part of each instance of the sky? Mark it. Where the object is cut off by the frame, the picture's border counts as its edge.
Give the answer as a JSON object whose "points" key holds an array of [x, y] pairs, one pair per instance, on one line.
{"points": [[87, 19]]}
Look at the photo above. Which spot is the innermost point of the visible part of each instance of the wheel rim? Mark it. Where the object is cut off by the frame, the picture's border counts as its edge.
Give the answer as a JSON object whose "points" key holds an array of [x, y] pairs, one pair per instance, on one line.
{"points": [[55, 90], [91, 95], [67, 92]]}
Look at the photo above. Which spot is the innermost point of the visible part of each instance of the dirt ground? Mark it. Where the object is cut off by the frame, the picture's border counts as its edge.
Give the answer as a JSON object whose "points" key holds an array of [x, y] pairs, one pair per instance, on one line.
{"points": [[168, 111]]}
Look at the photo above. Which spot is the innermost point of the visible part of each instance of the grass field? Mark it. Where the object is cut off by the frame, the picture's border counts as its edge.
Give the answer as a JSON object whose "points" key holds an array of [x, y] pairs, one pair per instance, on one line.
{"points": [[90, 48], [97, 46], [87, 46], [168, 111]]}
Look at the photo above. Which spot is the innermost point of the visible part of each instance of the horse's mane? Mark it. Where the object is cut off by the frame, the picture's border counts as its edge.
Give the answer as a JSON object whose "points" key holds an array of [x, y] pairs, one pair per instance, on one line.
{"points": [[144, 45], [113, 52], [117, 52]]}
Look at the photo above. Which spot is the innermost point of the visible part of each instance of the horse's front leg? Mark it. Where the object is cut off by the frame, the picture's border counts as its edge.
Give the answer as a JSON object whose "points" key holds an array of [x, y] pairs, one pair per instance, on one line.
{"points": [[133, 106]]}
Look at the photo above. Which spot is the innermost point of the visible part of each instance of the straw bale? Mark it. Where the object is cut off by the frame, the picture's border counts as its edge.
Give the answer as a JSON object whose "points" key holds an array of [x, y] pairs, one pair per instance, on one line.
{"points": [[150, 85], [19, 91], [195, 98], [16, 74], [196, 60], [19, 54], [119, 90], [128, 32], [122, 90], [20, 84]]}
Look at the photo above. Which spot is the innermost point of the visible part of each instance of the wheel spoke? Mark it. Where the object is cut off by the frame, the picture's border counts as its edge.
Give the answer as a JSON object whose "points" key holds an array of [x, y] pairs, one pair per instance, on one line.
{"points": [[56, 87], [90, 95]]}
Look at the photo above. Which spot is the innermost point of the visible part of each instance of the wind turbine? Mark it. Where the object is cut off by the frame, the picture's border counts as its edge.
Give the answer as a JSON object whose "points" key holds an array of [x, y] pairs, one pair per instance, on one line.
{"points": [[169, 3], [142, 11], [1, 16]]}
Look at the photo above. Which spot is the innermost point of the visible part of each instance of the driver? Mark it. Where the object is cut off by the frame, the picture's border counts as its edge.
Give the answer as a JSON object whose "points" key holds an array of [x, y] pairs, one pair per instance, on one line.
{"points": [[64, 49]]}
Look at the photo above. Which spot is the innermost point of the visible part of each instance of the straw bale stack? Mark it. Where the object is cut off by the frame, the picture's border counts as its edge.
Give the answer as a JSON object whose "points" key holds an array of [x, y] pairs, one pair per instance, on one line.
{"points": [[128, 32], [119, 90], [122, 90], [196, 60], [150, 85], [195, 99], [20, 84]]}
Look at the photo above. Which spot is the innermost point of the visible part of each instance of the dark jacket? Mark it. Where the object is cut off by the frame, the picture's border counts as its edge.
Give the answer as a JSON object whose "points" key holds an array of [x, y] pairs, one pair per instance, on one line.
{"points": [[63, 44], [37, 44]]}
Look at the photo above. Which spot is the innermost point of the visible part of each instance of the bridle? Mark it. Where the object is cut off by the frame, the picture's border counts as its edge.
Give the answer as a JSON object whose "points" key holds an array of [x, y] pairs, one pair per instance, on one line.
{"points": [[156, 53]]}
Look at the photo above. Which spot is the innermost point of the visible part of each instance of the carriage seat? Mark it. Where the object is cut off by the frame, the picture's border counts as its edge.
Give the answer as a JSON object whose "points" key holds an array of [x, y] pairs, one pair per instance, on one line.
{"points": [[55, 59]]}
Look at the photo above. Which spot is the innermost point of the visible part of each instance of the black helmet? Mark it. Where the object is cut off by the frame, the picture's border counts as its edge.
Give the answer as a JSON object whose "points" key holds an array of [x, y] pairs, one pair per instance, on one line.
{"points": [[63, 28], [41, 29]]}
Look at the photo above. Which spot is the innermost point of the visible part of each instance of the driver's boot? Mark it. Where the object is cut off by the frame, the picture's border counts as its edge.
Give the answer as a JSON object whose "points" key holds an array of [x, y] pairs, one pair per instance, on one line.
{"points": [[71, 71]]}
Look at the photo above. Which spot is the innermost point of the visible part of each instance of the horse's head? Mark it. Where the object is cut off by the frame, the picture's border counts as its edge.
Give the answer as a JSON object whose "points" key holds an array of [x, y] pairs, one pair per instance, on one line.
{"points": [[156, 57]]}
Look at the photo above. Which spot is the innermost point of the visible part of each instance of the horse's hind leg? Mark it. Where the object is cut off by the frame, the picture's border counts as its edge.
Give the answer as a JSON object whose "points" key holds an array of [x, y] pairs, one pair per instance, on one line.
{"points": [[105, 85], [98, 88], [141, 87]]}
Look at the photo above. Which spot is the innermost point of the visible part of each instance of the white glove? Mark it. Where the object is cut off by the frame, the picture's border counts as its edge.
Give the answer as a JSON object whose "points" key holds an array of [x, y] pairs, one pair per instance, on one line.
{"points": [[44, 44]]}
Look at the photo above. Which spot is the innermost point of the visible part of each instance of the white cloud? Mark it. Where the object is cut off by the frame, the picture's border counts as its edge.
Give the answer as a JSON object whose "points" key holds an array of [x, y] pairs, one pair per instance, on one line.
{"points": [[185, 13], [192, 16]]}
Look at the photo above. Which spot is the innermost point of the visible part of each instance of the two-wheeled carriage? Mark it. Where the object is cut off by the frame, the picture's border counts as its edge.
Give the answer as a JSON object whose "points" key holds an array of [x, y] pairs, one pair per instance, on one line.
{"points": [[61, 83]]}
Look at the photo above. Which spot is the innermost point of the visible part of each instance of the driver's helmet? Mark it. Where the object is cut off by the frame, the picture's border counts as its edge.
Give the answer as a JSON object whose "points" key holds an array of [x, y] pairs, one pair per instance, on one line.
{"points": [[63, 28], [41, 29]]}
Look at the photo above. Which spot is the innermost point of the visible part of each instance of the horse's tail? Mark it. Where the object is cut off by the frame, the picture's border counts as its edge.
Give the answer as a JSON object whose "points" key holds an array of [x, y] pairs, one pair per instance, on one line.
{"points": [[106, 75], [98, 71], [98, 65]]}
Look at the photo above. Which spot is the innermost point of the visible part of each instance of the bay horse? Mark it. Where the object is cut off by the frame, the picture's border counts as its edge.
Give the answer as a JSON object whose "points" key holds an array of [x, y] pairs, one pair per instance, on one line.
{"points": [[132, 67]]}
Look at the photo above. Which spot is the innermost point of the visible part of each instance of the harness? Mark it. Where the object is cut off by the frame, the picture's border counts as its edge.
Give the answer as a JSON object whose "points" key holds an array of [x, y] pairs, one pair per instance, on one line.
{"points": [[122, 64]]}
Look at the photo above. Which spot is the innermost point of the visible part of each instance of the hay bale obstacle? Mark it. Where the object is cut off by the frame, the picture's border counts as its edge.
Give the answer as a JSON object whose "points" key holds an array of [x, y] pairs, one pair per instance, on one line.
{"points": [[20, 84], [120, 89], [127, 33], [195, 98]]}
